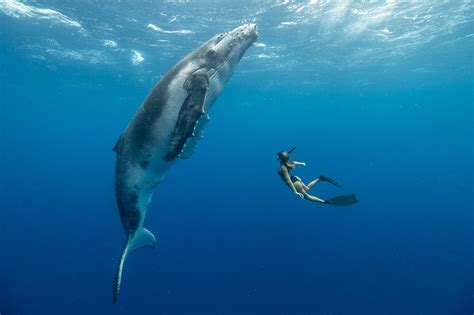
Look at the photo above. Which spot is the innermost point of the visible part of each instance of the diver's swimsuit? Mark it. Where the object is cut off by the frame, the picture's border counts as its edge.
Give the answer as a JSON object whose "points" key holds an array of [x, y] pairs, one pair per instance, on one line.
{"points": [[289, 168], [293, 178]]}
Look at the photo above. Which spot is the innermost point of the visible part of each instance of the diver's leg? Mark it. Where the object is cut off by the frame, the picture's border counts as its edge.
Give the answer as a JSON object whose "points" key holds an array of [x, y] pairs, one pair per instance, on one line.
{"points": [[298, 186], [314, 182], [298, 180], [312, 198]]}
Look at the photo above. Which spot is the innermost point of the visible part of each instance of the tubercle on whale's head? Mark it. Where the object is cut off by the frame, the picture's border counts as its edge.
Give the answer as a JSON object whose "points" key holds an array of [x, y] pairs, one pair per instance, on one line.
{"points": [[232, 45]]}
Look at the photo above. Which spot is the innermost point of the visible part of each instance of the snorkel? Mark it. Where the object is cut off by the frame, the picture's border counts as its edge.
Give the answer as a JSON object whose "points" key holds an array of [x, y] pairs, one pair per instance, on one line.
{"points": [[284, 156]]}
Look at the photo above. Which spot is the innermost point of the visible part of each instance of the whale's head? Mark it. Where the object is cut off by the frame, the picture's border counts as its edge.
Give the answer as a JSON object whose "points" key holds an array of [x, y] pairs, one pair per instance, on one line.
{"points": [[231, 46], [219, 56]]}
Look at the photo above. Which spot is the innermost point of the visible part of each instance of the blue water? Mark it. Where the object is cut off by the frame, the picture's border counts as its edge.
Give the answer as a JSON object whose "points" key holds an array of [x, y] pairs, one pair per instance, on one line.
{"points": [[376, 95]]}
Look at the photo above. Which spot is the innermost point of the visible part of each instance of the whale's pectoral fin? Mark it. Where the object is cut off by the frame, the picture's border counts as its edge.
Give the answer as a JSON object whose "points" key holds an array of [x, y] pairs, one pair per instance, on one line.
{"points": [[141, 238], [189, 114], [192, 142]]}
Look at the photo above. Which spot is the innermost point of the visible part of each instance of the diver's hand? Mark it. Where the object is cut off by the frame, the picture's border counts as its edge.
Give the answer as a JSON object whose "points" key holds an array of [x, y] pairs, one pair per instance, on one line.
{"points": [[303, 164], [299, 194]]}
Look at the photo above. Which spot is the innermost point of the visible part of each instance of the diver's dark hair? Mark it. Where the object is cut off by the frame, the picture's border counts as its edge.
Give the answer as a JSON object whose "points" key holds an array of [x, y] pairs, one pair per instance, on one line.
{"points": [[284, 156]]}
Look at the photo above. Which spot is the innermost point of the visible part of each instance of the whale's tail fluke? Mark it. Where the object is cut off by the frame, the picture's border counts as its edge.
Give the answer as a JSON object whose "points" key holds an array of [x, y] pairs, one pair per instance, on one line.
{"points": [[141, 238]]}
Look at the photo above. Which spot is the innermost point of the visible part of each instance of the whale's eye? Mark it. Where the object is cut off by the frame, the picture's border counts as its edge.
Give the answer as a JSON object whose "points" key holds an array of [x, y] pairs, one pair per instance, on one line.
{"points": [[211, 54]]}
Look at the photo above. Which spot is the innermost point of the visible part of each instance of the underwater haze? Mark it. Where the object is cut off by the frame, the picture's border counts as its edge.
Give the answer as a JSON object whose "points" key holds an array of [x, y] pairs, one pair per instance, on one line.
{"points": [[376, 94]]}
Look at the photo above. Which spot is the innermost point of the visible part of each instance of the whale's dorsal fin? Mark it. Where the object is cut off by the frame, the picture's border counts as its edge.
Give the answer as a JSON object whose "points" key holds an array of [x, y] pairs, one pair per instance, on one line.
{"points": [[116, 146], [189, 114]]}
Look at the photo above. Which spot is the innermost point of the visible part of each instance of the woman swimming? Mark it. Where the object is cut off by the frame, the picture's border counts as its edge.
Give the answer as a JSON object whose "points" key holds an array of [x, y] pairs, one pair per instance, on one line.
{"points": [[300, 189]]}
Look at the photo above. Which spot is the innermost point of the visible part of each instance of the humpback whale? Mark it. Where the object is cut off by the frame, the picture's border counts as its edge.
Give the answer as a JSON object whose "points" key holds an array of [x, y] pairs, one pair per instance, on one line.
{"points": [[166, 127]]}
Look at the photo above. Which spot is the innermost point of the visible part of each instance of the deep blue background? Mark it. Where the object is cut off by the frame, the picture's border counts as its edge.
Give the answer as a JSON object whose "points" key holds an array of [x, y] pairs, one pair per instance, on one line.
{"points": [[231, 236]]}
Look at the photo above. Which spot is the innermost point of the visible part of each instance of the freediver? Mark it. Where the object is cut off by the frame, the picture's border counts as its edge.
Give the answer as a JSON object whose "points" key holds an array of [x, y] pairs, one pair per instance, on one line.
{"points": [[298, 186]]}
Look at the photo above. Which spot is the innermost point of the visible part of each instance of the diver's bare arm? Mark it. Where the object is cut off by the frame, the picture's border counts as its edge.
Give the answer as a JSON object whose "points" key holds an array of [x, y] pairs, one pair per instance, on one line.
{"points": [[299, 163], [314, 182]]}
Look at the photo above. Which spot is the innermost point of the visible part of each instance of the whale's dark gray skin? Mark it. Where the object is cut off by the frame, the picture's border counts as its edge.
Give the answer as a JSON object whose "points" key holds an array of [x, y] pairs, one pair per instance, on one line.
{"points": [[166, 127]]}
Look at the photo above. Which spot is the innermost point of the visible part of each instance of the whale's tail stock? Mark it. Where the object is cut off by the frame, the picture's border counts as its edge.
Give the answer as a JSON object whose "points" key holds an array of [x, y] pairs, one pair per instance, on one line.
{"points": [[141, 238]]}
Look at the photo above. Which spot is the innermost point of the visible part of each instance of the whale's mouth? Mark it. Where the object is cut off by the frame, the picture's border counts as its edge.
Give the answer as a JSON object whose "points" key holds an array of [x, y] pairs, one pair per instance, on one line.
{"points": [[254, 31]]}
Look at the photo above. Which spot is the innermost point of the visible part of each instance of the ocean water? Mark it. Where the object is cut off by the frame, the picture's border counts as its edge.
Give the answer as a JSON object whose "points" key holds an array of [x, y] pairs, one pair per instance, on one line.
{"points": [[376, 94]]}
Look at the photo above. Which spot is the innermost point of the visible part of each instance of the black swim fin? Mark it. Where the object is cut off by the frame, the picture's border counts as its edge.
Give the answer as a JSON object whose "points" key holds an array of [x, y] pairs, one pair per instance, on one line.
{"points": [[329, 180], [343, 200]]}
